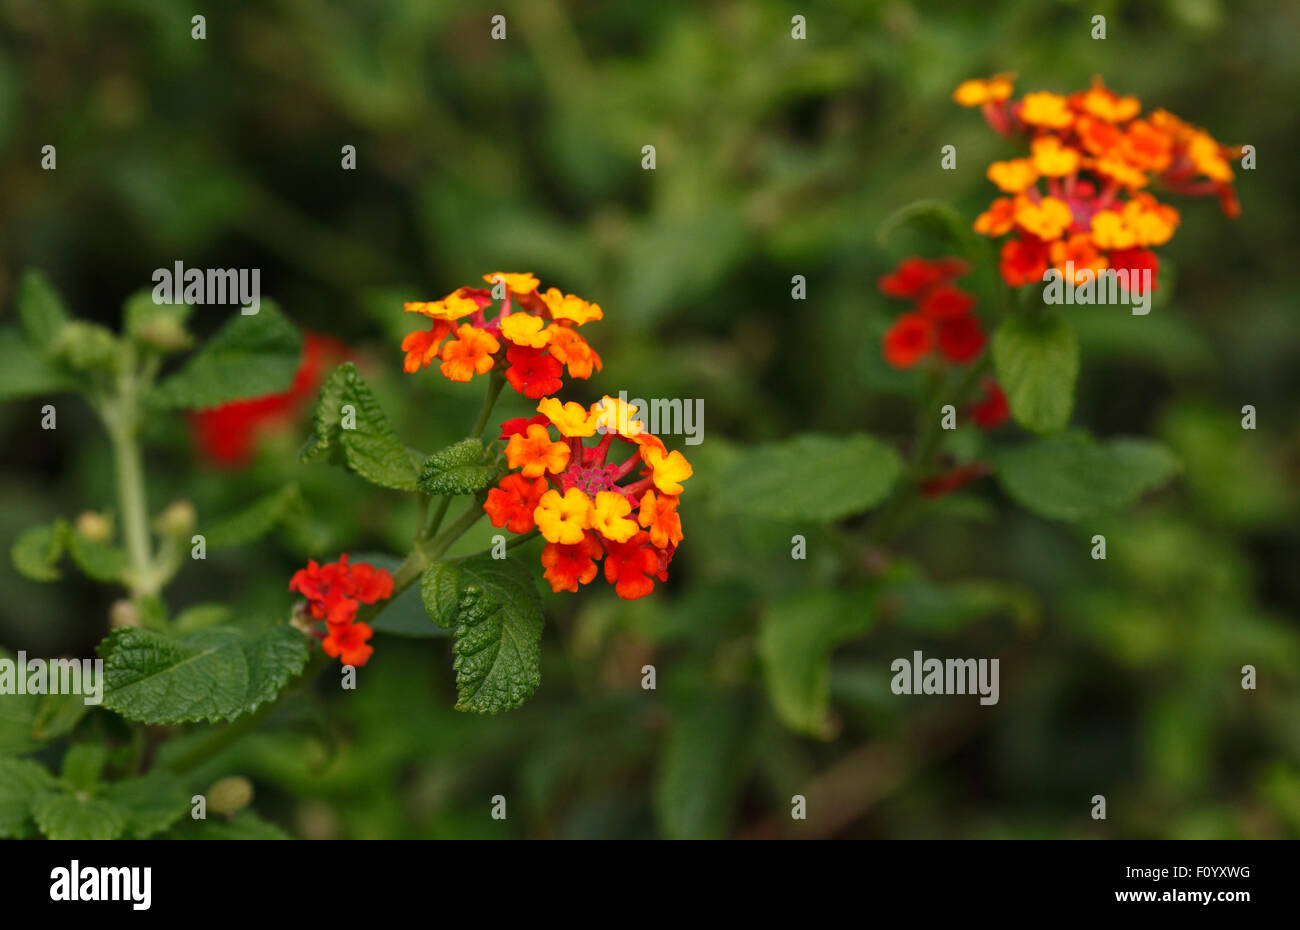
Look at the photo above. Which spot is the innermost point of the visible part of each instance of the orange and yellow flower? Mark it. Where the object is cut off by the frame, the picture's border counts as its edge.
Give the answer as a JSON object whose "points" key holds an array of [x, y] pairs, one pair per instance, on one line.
{"points": [[584, 505], [1082, 192], [532, 338]]}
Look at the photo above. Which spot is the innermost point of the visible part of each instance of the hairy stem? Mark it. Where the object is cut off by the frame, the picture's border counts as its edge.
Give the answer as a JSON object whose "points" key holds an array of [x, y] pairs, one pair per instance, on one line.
{"points": [[121, 418]]}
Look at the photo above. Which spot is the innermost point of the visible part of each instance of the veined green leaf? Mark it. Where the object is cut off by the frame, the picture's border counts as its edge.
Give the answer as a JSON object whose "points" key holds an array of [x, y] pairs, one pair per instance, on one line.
{"points": [[439, 590], [458, 469], [498, 635], [252, 355], [21, 783], [62, 816], [152, 803], [213, 674], [350, 428]]}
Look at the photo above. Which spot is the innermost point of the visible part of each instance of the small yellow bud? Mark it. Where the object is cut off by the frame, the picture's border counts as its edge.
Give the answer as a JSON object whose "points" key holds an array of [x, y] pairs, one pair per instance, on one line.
{"points": [[230, 795], [95, 527]]}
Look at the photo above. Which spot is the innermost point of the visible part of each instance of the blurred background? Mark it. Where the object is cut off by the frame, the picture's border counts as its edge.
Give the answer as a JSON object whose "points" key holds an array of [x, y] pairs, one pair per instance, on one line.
{"points": [[775, 157]]}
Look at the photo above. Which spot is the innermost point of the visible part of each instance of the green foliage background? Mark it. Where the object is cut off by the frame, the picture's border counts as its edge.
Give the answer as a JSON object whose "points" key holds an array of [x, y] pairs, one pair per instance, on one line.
{"points": [[775, 158]]}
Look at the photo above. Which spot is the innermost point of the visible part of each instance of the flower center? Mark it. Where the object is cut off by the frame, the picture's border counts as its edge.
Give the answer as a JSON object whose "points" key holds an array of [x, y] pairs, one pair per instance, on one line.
{"points": [[591, 479]]}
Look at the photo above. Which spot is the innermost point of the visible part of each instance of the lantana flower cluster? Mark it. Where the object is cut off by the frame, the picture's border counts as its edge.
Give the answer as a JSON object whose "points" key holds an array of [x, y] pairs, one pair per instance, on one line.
{"points": [[587, 507], [334, 591], [1082, 193], [533, 336], [943, 318]]}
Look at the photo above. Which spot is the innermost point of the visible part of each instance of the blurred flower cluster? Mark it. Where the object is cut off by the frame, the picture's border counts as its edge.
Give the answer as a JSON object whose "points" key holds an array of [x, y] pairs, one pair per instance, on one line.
{"points": [[1081, 194], [534, 335]]}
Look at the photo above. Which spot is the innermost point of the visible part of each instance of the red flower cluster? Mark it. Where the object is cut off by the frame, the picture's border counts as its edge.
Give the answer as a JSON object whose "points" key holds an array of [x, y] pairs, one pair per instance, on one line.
{"points": [[992, 409], [226, 435], [334, 592], [943, 316]]}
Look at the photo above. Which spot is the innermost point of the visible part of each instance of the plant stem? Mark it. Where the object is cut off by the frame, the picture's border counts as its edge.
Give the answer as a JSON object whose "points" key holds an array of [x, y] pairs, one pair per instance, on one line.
{"points": [[894, 515], [121, 418], [472, 514], [495, 385], [517, 541], [436, 520], [134, 509]]}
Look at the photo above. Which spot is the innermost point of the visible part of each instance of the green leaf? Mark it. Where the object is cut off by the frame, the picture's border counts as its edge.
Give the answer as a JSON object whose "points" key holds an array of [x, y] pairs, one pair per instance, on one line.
{"points": [[25, 372], [933, 218], [39, 308], [702, 766], [439, 590], [1037, 360], [810, 477], [214, 674], [255, 521], [795, 640], [250, 356], [200, 617], [21, 783], [58, 715], [243, 826], [458, 469], [36, 552], [62, 816], [1072, 477], [17, 719], [100, 560], [350, 428], [498, 635], [152, 803], [82, 765]]}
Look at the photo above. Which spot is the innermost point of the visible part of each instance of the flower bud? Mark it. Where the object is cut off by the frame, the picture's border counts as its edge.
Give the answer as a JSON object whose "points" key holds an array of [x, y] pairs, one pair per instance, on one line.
{"points": [[230, 795], [95, 527], [177, 520], [163, 332], [86, 346], [123, 614]]}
